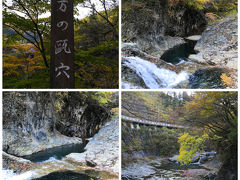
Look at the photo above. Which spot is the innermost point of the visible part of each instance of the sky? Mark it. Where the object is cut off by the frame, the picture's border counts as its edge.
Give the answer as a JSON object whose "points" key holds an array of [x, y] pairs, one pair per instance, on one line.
{"points": [[83, 11]]}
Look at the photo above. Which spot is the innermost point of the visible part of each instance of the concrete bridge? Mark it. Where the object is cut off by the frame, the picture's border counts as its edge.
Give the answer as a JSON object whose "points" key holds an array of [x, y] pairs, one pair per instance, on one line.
{"points": [[151, 123]]}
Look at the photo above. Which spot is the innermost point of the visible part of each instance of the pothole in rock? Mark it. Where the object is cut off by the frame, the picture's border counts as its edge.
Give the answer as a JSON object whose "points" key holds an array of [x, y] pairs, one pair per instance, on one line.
{"points": [[55, 153], [179, 54]]}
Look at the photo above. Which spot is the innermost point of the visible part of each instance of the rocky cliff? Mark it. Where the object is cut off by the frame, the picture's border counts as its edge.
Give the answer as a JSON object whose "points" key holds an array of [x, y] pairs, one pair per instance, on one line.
{"points": [[29, 120], [157, 25], [82, 116], [168, 30]]}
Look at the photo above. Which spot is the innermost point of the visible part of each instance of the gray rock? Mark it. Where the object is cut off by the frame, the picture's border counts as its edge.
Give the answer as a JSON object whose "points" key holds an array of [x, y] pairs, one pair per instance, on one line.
{"points": [[102, 150], [219, 44], [197, 58], [156, 46], [210, 175], [28, 123], [138, 170]]}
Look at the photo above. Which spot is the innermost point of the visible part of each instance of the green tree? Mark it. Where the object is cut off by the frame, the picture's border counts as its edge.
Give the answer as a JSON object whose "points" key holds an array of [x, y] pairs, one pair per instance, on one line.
{"points": [[24, 17]]}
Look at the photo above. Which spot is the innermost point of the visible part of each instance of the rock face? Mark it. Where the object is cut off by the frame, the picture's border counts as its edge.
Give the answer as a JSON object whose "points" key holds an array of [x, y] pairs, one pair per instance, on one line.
{"points": [[218, 44], [29, 123], [102, 150], [158, 25], [80, 117]]}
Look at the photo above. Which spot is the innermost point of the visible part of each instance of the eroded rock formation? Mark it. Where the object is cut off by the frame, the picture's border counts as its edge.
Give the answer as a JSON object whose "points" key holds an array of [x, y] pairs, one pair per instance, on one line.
{"points": [[29, 120]]}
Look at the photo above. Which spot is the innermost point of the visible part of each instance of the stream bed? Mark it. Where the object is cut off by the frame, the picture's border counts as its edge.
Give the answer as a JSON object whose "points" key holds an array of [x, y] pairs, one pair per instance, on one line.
{"points": [[161, 169], [51, 164]]}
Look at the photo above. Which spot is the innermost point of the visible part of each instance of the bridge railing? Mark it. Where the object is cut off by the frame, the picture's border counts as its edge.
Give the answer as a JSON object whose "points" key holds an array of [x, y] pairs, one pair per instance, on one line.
{"points": [[151, 122]]}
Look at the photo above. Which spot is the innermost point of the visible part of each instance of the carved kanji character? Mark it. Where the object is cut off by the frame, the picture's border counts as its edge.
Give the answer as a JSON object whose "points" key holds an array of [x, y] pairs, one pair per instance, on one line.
{"points": [[63, 5], [61, 45], [62, 69], [63, 23]]}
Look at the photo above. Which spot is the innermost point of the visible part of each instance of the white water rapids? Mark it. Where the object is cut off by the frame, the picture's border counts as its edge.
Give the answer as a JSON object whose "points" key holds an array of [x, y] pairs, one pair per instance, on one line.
{"points": [[153, 76], [10, 175]]}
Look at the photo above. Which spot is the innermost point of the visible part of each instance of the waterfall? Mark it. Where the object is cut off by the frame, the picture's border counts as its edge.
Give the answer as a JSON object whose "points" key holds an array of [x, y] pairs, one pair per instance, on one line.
{"points": [[153, 76]]}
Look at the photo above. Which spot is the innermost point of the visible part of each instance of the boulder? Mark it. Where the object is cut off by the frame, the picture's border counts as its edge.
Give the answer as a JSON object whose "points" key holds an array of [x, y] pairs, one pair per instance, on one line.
{"points": [[102, 150], [218, 44]]}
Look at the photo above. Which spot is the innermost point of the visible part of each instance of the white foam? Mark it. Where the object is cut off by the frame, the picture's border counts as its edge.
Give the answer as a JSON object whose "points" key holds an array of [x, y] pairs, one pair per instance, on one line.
{"points": [[126, 85], [128, 44], [181, 61], [154, 77], [10, 175], [53, 158]]}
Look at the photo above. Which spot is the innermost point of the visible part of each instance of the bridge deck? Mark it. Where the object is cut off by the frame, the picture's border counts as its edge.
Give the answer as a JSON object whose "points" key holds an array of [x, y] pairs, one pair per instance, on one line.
{"points": [[152, 123]]}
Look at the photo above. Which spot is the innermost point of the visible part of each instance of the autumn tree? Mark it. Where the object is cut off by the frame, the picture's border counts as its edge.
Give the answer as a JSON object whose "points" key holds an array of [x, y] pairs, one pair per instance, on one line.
{"points": [[216, 111], [214, 116], [30, 19], [25, 18], [24, 61]]}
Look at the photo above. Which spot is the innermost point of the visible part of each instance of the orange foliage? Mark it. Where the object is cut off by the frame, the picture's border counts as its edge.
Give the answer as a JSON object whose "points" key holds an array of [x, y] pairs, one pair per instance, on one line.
{"points": [[227, 80], [22, 59]]}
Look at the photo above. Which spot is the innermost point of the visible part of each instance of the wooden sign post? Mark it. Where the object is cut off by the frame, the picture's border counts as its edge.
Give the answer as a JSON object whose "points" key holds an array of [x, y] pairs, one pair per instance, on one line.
{"points": [[62, 44]]}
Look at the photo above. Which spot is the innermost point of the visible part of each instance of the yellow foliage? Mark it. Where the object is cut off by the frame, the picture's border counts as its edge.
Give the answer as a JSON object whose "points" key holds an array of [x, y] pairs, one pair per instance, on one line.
{"points": [[189, 146], [227, 80]]}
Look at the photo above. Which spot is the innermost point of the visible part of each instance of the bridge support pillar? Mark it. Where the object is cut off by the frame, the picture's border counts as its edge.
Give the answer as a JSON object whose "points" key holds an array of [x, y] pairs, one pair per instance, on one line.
{"points": [[138, 127], [132, 126]]}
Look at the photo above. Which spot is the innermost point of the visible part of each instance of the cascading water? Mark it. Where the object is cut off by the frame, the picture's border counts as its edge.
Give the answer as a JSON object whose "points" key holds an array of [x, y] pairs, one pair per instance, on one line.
{"points": [[154, 77], [10, 175], [141, 71], [52, 156]]}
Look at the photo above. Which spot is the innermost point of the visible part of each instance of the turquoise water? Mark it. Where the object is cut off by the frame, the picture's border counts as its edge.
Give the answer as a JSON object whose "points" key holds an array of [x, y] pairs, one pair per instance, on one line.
{"points": [[55, 153]]}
